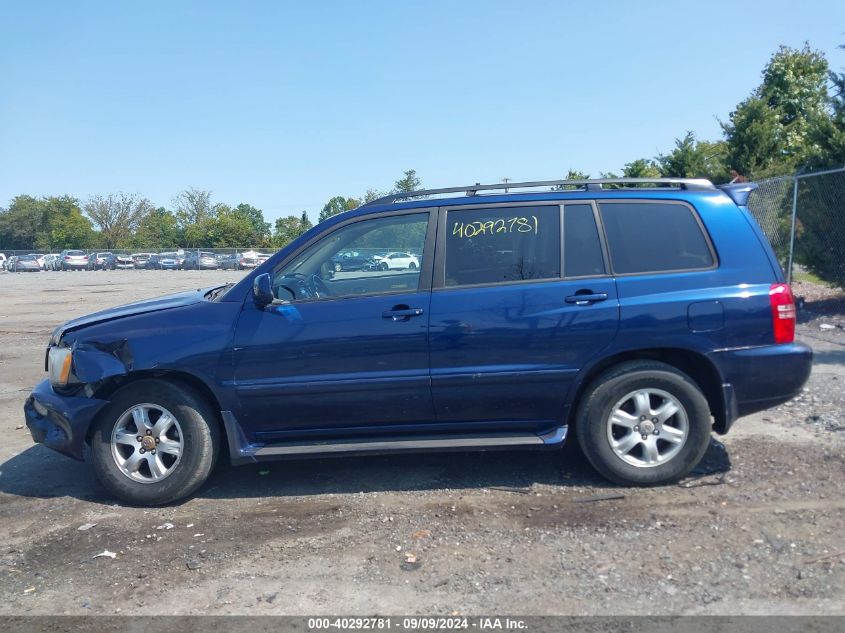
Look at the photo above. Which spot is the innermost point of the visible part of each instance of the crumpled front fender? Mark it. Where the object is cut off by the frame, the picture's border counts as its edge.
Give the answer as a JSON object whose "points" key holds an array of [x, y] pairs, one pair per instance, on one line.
{"points": [[93, 360]]}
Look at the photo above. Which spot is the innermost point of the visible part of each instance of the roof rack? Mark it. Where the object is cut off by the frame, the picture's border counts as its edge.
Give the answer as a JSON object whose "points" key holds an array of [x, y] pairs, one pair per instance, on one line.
{"points": [[589, 184]]}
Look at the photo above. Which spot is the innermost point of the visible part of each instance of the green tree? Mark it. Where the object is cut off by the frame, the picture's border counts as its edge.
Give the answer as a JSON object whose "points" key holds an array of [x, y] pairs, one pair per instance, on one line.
{"points": [[22, 223], [408, 182], [194, 206], [572, 174], [641, 168], [289, 228], [695, 159], [44, 223], [72, 230], [770, 131], [373, 194], [158, 229], [827, 135], [195, 216], [230, 227], [117, 216], [256, 218], [337, 205]]}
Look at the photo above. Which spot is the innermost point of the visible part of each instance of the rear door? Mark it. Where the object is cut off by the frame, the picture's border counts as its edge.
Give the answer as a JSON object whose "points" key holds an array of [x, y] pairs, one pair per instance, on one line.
{"points": [[518, 307]]}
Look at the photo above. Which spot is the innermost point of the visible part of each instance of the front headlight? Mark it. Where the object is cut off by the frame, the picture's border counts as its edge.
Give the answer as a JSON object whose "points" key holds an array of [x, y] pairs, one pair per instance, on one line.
{"points": [[59, 360]]}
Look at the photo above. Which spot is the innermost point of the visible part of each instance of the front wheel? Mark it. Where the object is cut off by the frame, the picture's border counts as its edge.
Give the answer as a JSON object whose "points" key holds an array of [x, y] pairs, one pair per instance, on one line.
{"points": [[643, 423], [155, 442]]}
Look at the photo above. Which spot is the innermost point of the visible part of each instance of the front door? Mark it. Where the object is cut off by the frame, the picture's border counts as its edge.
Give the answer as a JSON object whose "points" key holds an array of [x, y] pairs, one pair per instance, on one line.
{"points": [[513, 316], [342, 349]]}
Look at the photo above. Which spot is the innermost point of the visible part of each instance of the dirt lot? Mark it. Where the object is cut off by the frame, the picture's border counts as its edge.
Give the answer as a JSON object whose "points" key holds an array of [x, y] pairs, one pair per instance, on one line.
{"points": [[760, 528]]}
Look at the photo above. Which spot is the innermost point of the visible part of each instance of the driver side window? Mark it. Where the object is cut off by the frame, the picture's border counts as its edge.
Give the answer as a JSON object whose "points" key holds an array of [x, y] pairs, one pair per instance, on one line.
{"points": [[354, 261]]}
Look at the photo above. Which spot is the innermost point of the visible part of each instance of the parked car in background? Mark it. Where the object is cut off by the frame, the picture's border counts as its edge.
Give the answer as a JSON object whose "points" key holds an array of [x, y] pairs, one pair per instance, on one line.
{"points": [[397, 261], [100, 261], [237, 261], [140, 259], [122, 261], [163, 261], [200, 260], [39, 257], [73, 260], [3, 261], [51, 261], [351, 261], [259, 258], [25, 263]]}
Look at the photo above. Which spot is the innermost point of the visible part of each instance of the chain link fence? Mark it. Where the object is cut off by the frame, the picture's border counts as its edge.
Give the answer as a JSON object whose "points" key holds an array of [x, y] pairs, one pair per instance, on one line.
{"points": [[804, 218]]}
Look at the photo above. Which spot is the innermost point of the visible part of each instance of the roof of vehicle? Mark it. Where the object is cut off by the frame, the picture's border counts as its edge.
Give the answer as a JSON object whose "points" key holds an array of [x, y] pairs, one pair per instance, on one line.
{"points": [[547, 190]]}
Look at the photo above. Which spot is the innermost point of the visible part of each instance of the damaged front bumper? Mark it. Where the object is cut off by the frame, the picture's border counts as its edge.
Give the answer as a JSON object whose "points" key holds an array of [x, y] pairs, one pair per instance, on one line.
{"points": [[60, 422]]}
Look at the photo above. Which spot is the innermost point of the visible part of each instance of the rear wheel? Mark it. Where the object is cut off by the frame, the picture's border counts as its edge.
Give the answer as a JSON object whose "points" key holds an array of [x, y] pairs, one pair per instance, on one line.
{"points": [[412, 266], [643, 423], [155, 442]]}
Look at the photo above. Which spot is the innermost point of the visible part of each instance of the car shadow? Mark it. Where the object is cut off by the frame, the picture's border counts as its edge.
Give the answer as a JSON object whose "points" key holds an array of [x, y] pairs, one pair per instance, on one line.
{"points": [[829, 357], [40, 473]]}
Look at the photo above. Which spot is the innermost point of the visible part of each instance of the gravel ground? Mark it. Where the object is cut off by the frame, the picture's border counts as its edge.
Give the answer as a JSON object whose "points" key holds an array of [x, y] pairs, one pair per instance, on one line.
{"points": [[757, 529]]}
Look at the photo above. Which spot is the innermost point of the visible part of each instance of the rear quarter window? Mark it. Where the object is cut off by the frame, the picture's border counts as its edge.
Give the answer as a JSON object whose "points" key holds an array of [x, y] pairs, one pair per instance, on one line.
{"points": [[645, 237]]}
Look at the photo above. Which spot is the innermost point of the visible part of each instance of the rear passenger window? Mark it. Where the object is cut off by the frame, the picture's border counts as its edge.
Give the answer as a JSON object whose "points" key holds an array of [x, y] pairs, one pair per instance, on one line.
{"points": [[581, 246], [654, 237], [503, 244]]}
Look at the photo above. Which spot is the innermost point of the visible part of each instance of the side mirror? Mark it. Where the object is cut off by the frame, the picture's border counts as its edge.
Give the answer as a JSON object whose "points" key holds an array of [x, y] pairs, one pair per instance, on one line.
{"points": [[262, 292]]}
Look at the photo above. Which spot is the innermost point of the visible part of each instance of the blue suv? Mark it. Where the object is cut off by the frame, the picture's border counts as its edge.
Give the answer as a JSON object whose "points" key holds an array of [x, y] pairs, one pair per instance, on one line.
{"points": [[637, 315]]}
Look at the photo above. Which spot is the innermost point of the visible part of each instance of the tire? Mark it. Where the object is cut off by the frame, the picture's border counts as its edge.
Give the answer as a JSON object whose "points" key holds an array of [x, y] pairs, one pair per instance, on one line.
{"points": [[412, 266], [614, 393], [196, 430], [384, 266], [337, 267]]}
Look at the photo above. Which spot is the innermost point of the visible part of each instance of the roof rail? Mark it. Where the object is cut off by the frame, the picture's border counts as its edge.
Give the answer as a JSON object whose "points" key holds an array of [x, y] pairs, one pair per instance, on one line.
{"points": [[693, 184]]}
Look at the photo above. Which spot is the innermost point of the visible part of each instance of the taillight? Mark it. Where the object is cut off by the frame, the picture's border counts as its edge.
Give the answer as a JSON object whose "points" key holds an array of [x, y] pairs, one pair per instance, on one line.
{"points": [[783, 312]]}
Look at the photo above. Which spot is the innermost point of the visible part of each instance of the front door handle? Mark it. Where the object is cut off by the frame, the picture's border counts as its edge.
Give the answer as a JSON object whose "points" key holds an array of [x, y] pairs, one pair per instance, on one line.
{"points": [[586, 298], [401, 313]]}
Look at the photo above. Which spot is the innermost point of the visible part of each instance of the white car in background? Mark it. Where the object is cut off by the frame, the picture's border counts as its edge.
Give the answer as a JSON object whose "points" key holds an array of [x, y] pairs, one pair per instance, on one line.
{"points": [[2, 261], [51, 261], [397, 261]]}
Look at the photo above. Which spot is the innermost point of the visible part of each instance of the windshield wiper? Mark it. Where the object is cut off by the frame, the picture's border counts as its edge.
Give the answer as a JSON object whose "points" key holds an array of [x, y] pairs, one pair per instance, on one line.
{"points": [[212, 296]]}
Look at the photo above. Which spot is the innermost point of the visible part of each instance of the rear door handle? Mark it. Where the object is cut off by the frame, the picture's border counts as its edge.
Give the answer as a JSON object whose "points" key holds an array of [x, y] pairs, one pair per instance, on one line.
{"points": [[401, 313], [586, 298]]}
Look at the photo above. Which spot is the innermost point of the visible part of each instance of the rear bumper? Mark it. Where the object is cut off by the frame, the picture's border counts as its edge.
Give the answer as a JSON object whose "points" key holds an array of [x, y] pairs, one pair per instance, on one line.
{"points": [[758, 378], [60, 422]]}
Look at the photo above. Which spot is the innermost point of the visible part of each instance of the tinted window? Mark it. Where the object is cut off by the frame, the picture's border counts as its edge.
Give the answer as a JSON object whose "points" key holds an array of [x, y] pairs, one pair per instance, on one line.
{"points": [[502, 244], [581, 246], [654, 237], [355, 260]]}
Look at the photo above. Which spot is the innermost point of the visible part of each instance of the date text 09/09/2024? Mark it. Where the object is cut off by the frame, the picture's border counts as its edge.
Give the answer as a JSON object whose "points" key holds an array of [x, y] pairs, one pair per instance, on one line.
{"points": [[417, 623]]}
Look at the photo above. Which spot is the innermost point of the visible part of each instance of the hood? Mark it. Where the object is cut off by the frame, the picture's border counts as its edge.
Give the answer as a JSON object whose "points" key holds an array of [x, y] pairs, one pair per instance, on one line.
{"points": [[178, 300]]}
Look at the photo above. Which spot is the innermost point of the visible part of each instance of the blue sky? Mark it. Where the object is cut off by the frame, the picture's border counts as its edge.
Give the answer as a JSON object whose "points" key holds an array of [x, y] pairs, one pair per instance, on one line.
{"points": [[283, 105]]}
